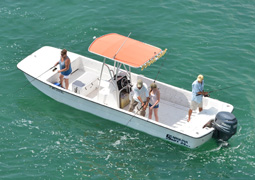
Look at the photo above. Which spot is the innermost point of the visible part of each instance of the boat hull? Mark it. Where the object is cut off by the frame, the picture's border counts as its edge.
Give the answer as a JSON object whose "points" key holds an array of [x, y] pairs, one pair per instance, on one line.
{"points": [[118, 115]]}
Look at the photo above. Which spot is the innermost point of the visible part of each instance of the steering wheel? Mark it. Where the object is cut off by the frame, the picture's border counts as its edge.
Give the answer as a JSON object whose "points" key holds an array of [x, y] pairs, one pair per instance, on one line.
{"points": [[123, 82]]}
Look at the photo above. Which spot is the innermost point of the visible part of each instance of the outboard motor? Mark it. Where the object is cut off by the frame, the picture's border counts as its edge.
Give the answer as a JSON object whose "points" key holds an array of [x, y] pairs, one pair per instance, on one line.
{"points": [[225, 126]]}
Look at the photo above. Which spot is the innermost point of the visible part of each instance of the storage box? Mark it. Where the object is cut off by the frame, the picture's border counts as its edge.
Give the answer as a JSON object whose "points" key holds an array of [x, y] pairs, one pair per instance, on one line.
{"points": [[77, 86]]}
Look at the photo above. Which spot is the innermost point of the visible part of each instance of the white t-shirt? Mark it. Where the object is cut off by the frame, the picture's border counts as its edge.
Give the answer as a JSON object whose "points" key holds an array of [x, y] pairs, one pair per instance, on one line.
{"points": [[143, 93]]}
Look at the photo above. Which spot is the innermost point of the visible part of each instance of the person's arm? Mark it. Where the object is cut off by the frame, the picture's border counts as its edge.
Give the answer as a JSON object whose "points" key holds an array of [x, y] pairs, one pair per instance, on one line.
{"points": [[56, 63], [195, 89], [140, 99], [158, 95], [147, 98], [147, 102], [202, 93], [136, 94]]}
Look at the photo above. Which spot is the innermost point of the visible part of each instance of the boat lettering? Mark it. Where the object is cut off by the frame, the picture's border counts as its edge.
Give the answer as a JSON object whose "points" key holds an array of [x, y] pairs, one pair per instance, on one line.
{"points": [[56, 89], [177, 140]]}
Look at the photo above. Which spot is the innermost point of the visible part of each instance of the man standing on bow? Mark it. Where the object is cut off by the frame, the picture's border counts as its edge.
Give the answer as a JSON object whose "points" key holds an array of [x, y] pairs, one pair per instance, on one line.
{"points": [[197, 95]]}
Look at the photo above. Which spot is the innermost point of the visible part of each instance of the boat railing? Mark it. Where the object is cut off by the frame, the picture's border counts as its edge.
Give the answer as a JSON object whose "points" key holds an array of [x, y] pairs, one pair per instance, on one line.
{"points": [[110, 71]]}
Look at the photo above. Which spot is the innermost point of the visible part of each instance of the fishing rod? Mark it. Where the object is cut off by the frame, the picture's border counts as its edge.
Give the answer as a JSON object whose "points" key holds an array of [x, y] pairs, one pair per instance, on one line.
{"points": [[223, 89], [159, 69], [226, 87], [34, 78], [139, 109]]}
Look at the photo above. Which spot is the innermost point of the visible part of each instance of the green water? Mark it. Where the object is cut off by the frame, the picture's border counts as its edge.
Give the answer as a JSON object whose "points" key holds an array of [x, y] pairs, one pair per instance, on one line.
{"points": [[43, 139]]}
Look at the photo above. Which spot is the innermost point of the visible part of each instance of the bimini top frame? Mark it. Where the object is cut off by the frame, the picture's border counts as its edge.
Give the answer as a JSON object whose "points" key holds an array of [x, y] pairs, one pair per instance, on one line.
{"points": [[126, 51]]}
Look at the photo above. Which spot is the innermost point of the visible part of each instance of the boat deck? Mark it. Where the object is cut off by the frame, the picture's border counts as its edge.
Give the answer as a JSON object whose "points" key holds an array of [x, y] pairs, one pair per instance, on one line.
{"points": [[173, 107], [175, 116], [170, 114]]}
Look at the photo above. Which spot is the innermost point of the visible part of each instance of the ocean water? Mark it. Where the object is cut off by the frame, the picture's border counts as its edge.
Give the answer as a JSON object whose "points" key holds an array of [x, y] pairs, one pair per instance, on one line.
{"points": [[43, 139]]}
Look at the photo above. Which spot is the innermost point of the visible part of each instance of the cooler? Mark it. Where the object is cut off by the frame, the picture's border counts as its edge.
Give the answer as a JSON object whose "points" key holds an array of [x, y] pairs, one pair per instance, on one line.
{"points": [[77, 86]]}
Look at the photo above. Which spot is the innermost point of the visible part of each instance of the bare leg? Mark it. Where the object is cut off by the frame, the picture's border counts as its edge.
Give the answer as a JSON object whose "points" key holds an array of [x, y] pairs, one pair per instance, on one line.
{"points": [[67, 83], [61, 77], [150, 113], [190, 112], [156, 114]]}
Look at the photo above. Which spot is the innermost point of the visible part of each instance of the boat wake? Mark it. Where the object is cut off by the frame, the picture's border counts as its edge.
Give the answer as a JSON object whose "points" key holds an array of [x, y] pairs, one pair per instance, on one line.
{"points": [[223, 144]]}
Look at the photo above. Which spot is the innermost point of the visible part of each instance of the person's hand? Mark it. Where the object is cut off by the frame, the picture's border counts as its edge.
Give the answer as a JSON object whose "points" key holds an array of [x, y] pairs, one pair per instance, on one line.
{"points": [[206, 94], [145, 106], [151, 108]]}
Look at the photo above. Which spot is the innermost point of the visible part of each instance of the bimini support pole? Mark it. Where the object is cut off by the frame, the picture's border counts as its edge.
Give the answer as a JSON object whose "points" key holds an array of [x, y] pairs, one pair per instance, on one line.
{"points": [[116, 79], [100, 78]]}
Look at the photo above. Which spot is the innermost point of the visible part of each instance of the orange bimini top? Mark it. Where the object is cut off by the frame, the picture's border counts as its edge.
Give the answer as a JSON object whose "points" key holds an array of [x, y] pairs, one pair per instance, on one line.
{"points": [[126, 50]]}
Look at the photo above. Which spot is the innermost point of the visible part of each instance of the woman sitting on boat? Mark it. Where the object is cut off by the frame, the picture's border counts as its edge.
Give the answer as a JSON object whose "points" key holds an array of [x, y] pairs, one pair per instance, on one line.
{"points": [[65, 68], [154, 101]]}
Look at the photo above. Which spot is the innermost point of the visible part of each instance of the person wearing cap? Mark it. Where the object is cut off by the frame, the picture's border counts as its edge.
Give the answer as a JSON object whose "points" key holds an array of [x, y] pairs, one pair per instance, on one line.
{"points": [[197, 95], [154, 101], [141, 95]]}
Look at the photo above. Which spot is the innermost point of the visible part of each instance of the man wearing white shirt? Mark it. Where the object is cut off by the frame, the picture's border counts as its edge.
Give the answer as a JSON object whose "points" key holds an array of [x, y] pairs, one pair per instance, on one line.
{"points": [[141, 95]]}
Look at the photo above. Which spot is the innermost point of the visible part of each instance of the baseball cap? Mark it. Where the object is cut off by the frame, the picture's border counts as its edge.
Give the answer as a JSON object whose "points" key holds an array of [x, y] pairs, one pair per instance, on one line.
{"points": [[139, 83], [200, 78]]}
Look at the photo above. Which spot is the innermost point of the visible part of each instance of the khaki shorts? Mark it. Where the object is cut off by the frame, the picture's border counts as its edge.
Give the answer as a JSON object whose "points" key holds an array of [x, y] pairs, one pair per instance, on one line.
{"points": [[133, 105], [194, 105]]}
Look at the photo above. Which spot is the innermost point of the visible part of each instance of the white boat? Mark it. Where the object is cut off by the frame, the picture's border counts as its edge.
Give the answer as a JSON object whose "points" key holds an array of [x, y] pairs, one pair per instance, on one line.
{"points": [[104, 90]]}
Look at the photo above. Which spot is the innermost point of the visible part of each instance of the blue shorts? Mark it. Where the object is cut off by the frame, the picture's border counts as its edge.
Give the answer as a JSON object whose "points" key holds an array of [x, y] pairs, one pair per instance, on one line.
{"points": [[154, 106]]}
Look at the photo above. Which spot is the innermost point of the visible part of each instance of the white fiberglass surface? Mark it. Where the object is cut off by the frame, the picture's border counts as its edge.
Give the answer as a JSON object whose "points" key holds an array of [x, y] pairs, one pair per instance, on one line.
{"points": [[174, 103]]}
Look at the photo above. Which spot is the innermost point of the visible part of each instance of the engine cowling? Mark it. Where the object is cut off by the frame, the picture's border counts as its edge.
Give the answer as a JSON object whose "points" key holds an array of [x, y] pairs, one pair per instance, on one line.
{"points": [[225, 126]]}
